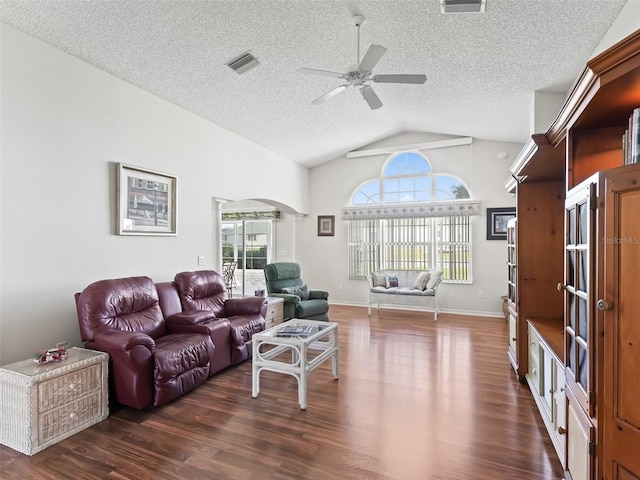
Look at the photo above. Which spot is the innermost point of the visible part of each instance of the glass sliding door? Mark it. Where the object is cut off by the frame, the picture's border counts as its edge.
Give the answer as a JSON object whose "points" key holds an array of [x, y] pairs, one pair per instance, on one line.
{"points": [[246, 250]]}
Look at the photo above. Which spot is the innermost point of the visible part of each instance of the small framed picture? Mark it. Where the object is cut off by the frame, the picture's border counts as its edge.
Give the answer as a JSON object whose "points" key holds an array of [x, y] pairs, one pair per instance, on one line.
{"points": [[497, 219], [326, 225], [146, 201]]}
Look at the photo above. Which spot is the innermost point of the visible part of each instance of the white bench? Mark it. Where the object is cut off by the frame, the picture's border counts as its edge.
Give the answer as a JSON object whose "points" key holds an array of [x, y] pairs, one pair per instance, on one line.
{"points": [[404, 293]]}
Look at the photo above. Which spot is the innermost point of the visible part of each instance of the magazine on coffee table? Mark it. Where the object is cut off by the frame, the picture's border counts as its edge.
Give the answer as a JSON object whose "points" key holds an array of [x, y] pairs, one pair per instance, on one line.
{"points": [[294, 331]]}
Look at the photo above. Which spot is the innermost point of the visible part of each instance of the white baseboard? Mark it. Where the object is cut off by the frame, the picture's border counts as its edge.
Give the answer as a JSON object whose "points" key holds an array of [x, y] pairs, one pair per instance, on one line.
{"points": [[474, 313]]}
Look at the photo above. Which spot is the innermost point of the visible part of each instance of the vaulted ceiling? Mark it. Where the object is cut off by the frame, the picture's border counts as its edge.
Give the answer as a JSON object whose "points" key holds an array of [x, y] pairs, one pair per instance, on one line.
{"points": [[481, 69]]}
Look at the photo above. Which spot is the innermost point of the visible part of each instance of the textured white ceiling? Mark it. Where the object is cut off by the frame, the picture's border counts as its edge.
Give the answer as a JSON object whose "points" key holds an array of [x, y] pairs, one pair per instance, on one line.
{"points": [[481, 68]]}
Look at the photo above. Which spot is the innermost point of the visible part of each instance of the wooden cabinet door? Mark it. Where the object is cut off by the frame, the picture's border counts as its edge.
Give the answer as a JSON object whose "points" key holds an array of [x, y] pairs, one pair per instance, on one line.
{"points": [[580, 434], [620, 308], [579, 304], [559, 412], [559, 399]]}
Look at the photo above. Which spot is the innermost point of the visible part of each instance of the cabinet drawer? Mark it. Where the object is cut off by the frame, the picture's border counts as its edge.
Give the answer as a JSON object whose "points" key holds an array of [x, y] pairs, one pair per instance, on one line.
{"points": [[63, 419], [275, 312], [271, 315], [513, 322], [534, 373], [66, 388], [534, 343]]}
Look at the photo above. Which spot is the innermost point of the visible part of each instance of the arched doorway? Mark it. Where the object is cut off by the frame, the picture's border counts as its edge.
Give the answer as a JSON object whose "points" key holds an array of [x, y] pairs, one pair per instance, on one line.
{"points": [[254, 233]]}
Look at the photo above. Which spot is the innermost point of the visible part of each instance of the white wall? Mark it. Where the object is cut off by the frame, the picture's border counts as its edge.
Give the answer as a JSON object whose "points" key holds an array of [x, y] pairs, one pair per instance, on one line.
{"points": [[63, 124], [627, 22], [331, 185]]}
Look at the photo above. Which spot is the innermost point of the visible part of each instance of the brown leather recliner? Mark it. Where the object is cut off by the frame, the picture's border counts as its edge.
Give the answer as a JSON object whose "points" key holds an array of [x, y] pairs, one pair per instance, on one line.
{"points": [[205, 290], [151, 362]]}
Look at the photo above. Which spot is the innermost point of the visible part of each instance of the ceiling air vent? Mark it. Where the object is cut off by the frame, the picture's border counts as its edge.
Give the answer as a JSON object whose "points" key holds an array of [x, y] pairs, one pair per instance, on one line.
{"points": [[462, 6], [243, 63]]}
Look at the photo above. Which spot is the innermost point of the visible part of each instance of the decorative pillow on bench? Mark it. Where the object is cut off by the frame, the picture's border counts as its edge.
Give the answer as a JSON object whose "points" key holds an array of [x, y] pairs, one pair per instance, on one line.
{"points": [[379, 280], [421, 280], [433, 280], [393, 281]]}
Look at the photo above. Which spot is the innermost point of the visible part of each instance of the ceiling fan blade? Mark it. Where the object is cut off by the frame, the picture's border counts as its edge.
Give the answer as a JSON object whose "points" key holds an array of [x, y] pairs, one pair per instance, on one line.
{"points": [[370, 97], [400, 78], [324, 73], [371, 58], [329, 95]]}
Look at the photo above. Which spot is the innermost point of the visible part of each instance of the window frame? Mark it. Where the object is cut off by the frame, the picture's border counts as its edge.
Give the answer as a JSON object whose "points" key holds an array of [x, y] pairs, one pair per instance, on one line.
{"points": [[370, 246]]}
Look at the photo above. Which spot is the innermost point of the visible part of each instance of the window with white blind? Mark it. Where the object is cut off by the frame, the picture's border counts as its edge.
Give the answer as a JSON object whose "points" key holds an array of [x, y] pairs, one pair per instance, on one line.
{"points": [[424, 221]]}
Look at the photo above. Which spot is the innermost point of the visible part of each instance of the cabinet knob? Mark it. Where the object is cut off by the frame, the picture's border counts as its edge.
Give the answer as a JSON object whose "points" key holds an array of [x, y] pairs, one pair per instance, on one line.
{"points": [[513, 339], [604, 305], [562, 430], [561, 287]]}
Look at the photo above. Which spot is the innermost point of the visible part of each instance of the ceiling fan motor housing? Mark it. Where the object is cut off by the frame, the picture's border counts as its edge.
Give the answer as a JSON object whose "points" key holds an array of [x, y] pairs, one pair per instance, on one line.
{"points": [[358, 20]]}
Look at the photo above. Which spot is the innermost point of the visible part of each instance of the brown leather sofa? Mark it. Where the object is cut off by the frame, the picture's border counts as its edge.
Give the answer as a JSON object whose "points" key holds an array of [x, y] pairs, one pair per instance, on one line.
{"points": [[166, 339], [194, 298]]}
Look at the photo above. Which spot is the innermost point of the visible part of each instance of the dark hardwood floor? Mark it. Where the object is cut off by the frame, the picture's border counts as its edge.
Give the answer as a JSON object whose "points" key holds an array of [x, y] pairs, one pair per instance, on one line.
{"points": [[416, 400]]}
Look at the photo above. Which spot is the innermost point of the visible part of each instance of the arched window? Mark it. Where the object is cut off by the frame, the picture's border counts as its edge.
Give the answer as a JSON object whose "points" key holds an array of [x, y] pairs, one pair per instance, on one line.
{"points": [[407, 178], [411, 218]]}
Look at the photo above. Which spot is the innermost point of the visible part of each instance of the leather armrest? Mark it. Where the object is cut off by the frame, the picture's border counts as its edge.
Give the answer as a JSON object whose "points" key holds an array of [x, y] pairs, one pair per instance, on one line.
{"points": [[193, 317], [318, 294], [245, 306], [117, 340]]}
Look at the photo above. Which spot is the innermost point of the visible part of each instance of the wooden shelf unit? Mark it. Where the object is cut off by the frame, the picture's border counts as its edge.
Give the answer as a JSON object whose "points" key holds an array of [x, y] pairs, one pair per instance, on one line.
{"points": [[539, 259], [578, 223], [512, 282]]}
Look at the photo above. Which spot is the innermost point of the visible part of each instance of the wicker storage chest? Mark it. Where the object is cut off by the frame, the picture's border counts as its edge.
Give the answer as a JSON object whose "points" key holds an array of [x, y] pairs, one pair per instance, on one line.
{"points": [[43, 404], [275, 312]]}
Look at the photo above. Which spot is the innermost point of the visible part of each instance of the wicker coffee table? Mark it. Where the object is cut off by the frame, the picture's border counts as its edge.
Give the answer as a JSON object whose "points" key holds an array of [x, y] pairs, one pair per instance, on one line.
{"points": [[295, 355]]}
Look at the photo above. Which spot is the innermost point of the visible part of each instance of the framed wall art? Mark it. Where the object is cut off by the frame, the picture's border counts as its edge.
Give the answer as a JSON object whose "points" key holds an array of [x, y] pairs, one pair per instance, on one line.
{"points": [[497, 219], [326, 225], [146, 201]]}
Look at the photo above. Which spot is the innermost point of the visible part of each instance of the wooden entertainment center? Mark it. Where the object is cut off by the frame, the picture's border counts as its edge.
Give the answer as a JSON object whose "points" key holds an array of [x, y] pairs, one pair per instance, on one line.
{"points": [[574, 267]]}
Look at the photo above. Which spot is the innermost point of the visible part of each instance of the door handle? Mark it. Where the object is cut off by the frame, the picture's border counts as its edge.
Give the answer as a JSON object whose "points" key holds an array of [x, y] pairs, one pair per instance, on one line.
{"points": [[604, 305]]}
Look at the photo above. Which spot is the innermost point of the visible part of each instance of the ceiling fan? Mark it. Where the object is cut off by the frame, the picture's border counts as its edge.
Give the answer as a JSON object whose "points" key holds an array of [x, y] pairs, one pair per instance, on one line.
{"points": [[360, 74]]}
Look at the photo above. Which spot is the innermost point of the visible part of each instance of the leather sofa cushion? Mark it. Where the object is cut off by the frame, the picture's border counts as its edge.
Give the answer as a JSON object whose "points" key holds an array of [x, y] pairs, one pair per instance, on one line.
{"points": [[202, 290], [169, 299], [243, 328], [181, 363], [129, 304]]}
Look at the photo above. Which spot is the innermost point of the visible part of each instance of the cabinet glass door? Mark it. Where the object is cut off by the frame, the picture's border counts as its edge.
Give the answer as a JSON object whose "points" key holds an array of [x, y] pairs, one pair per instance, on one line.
{"points": [[579, 217]]}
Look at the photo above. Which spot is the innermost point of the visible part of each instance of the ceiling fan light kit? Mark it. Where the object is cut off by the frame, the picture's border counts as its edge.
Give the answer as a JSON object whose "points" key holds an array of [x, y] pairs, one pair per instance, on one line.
{"points": [[360, 74]]}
